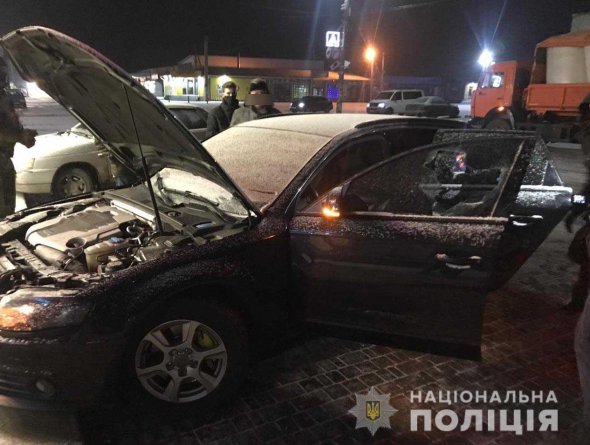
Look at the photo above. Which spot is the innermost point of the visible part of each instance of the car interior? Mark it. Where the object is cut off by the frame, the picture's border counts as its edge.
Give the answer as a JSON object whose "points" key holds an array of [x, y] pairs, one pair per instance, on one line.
{"points": [[450, 180]]}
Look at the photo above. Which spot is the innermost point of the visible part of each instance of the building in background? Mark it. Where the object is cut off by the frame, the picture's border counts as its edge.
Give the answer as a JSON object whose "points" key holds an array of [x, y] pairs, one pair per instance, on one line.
{"points": [[581, 15], [287, 78]]}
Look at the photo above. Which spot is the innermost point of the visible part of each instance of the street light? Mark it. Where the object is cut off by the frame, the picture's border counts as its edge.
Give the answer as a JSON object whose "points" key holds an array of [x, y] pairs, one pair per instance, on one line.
{"points": [[486, 58], [370, 54]]}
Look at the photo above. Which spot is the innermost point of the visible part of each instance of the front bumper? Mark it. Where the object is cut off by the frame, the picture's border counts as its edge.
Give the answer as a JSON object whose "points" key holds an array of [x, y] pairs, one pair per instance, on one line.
{"points": [[375, 110], [34, 181], [56, 373]]}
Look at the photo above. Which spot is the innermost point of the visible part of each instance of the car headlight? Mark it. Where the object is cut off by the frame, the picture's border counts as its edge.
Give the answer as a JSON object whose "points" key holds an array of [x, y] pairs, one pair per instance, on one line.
{"points": [[301, 105], [381, 105], [368, 105], [33, 309]]}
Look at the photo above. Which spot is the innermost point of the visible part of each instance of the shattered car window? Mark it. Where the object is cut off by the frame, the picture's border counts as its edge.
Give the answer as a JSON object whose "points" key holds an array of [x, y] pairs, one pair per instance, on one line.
{"points": [[541, 170], [442, 181]]}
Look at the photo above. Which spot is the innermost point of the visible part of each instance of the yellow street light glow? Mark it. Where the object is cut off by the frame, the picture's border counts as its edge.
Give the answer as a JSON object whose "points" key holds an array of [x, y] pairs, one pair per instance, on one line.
{"points": [[370, 54]]}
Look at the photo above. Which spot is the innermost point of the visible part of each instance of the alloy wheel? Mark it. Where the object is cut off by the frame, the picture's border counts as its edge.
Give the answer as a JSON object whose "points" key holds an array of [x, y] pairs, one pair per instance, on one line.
{"points": [[181, 361]]}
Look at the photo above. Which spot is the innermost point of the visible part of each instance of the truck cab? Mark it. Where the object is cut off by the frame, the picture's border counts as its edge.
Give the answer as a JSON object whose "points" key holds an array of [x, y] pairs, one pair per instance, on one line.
{"points": [[501, 87]]}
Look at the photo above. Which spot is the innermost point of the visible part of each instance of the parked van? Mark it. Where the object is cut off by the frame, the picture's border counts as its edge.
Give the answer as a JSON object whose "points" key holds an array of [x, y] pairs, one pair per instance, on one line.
{"points": [[393, 101]]}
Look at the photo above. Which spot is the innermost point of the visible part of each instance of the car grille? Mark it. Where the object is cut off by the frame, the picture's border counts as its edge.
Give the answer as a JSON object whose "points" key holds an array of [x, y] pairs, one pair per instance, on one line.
{"points": [[373, 105], [17, 385]]}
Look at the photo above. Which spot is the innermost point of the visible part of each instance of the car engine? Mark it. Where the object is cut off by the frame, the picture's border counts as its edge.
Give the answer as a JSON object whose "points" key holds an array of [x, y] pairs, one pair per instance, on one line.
{"points": [[79, 242]]}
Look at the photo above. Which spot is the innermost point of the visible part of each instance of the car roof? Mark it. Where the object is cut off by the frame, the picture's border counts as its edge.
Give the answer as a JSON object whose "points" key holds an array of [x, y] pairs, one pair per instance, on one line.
{"points": [[326, 125]]}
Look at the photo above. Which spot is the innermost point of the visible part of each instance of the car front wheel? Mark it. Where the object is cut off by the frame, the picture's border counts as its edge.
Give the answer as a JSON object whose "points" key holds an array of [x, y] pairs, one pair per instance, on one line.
{"points": [[194, 355], [72, 181]]}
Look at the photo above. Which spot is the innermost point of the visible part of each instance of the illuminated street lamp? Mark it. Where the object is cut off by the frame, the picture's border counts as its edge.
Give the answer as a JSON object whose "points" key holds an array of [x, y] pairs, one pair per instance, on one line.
{"points": [[370, 54], [486, 58]]}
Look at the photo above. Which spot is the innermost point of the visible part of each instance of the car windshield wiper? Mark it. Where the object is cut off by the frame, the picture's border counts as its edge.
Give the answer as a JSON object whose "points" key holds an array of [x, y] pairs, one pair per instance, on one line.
{"points": [[164, 196], [210, 205]]}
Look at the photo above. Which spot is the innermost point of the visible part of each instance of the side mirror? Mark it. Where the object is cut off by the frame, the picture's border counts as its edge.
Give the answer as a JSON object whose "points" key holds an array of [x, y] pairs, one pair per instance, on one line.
{"points": [[332, 204], [339, 203], [579, 203]]}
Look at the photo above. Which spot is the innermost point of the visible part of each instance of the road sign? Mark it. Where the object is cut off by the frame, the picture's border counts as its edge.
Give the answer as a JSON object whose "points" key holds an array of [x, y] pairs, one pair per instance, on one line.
{"points": [[332, 39]]}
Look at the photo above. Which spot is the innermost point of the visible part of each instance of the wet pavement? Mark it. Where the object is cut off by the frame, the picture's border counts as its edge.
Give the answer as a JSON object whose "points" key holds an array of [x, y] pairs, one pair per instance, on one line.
{"points": [[302, 396]]}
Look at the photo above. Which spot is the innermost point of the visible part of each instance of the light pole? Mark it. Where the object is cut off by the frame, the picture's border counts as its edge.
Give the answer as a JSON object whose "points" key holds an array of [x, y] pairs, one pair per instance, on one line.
{"points": [[382, 70], [370, 54], [345, 8]]}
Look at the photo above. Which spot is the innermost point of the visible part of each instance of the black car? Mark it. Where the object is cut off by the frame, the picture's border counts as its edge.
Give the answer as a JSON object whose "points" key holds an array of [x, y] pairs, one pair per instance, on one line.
{"points": [[311, 104], [165, 289], [17, 98]]}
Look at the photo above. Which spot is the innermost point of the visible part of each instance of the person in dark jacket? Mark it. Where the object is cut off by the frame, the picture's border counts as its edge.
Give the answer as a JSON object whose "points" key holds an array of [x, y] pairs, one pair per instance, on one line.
{"points": [[258, 103], [11, 132], [580, 287], [220, 117]]}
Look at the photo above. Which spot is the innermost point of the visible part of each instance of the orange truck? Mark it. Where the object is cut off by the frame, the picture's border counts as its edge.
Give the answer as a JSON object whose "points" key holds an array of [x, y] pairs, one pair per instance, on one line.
{"points": [[542, 95]]}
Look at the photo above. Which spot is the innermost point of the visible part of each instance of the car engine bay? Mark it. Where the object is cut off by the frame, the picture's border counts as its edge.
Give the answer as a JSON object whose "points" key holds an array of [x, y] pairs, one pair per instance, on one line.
{"points": [[68, 245]]}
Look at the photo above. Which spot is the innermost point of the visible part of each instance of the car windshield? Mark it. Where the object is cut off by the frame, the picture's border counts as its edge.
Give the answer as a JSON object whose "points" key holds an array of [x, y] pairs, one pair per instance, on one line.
{"points": [[263, 161], [383, 95], [178, 188]]}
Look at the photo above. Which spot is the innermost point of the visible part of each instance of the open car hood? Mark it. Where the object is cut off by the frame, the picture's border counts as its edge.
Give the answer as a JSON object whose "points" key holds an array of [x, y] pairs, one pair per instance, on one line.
{"points": [[110, 103]]}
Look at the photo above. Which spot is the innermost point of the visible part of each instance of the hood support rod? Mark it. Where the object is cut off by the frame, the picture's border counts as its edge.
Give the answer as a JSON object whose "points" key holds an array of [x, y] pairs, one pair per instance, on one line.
{"points": [[145, 167]]}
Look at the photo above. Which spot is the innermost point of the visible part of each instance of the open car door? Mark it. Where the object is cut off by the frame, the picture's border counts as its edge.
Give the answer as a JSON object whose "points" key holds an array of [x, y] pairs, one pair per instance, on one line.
{"points": [[410, 247]]}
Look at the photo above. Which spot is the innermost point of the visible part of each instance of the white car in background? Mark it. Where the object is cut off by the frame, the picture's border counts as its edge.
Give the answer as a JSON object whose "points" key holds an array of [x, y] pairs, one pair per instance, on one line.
{"points": [[72, 162], [393, 101]]}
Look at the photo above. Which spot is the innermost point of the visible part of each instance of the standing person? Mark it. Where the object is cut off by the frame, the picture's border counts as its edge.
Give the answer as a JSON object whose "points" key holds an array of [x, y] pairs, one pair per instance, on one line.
{"points": [[11, 132], [577, 249], [582, 348], [220, 117], [258, 103]]}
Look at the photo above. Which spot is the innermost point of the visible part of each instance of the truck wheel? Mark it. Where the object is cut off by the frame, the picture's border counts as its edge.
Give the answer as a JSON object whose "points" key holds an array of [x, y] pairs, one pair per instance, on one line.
{"points": [[498, 124]]}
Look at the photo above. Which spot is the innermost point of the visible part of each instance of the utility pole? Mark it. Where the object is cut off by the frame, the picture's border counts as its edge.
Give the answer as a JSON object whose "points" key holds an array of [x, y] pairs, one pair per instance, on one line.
{"points": [[345, 8], [382, 70], [206, 68]]}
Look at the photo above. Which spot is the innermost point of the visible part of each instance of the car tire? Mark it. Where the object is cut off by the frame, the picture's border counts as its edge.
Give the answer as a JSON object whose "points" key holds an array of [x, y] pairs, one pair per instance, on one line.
{"points": [[389, 111], [203, 382], [498, 124], [72, 181]]}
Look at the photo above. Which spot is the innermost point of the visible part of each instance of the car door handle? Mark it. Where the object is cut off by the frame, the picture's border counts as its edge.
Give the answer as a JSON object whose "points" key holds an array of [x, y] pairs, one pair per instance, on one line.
{"points": [[525, 220], [458, 263]]}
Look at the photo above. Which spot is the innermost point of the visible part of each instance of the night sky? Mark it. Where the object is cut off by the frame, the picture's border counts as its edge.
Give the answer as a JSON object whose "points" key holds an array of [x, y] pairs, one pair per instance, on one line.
{"points": [[438, 38]]}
